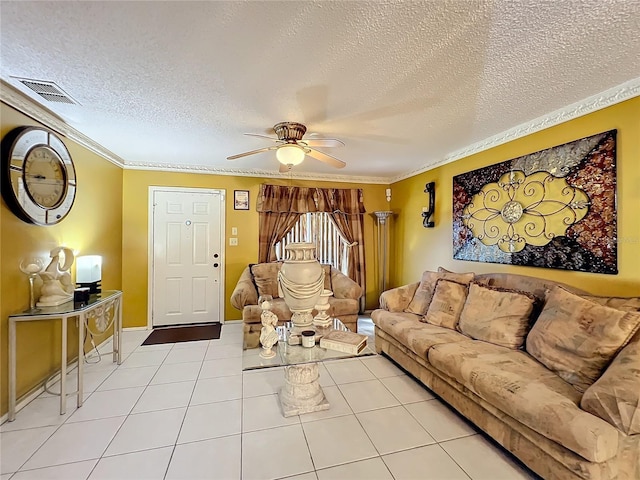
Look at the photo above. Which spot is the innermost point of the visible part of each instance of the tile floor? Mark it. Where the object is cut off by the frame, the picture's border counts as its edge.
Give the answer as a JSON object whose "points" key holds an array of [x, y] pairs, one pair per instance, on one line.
{"points": [[187, 411]]}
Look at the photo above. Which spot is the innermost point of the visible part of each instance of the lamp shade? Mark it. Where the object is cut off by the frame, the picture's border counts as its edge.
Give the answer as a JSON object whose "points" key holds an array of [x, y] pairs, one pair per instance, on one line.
{"points": [[290, 154], [88, 269]]}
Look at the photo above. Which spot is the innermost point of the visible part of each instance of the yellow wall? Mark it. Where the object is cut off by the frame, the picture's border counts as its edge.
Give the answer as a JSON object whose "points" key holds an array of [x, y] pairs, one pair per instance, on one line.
{"points": [[94, 226], [416, 248], [135, 226], [109, 218]]}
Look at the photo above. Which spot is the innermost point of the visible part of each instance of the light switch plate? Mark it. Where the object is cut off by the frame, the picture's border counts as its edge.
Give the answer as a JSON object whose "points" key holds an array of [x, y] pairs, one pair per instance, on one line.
{"points": [[234, 230]]}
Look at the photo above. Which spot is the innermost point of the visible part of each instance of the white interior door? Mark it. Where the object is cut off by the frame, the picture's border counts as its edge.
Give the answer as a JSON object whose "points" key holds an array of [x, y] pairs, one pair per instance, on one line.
{"points": [[187, 259]]}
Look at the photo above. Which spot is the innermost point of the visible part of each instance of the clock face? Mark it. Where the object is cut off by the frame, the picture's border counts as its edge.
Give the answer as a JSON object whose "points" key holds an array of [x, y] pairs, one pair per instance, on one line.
{"points": [[38, 176], [44, 177]]}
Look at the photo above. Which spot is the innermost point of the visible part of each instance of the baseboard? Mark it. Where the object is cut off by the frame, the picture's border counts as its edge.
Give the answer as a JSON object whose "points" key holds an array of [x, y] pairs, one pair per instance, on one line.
{"points": [[105, 348], [37, 391]]}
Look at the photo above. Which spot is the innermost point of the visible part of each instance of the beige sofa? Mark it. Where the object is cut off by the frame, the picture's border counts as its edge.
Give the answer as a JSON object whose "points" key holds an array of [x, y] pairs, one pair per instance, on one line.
{"points": [[262, 278], [560, 390]]}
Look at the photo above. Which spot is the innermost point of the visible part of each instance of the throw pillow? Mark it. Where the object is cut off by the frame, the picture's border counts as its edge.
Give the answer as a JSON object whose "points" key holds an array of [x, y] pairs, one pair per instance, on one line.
{"points": [[615, 396], [497, 315], [265, 276], [577, 338], [628, 304], [447, 303], [419, 304]]}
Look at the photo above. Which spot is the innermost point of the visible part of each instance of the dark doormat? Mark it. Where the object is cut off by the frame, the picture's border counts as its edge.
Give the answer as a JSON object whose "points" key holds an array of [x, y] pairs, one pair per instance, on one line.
{"points": [[184, 333]]}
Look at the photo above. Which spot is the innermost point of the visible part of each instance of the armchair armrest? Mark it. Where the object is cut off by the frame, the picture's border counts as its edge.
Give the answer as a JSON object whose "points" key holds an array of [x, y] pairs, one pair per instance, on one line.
{"points": [[245, 292], [397, 299], [343, 287]]}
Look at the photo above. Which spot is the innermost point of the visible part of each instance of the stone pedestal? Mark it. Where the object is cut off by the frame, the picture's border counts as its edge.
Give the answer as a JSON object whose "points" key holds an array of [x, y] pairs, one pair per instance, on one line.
{"points": [[302, 392]]}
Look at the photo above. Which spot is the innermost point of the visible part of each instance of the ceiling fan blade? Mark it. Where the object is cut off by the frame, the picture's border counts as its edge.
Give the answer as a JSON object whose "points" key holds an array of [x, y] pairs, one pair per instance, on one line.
{"points": [[323, 157], [252, 152], [322, 142], [274, 139], [284, 168]]}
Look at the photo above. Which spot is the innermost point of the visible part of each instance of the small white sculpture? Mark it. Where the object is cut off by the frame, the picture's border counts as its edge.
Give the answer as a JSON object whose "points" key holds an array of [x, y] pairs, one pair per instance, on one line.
{"points": [[268, 334], [57, 287]]}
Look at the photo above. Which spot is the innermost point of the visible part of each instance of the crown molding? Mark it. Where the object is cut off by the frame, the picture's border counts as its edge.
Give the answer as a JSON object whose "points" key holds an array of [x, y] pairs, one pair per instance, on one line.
{"points": [[248, 172], [591, 104], [26, 105], [21, 102]]}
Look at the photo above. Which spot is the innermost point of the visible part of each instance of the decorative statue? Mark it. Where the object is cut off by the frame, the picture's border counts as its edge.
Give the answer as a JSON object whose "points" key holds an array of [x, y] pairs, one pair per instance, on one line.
{"points": [[57, 287], [268, 334]]}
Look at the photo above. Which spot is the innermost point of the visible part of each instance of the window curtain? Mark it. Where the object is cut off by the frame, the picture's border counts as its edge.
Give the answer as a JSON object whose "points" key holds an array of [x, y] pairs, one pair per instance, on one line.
{"points": [[346, 210], [280, 207]]}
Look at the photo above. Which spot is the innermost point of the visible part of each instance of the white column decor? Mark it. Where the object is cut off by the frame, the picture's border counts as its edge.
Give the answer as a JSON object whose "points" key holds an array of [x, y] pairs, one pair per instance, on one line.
{"points": [[301, 392], [382, 236]]}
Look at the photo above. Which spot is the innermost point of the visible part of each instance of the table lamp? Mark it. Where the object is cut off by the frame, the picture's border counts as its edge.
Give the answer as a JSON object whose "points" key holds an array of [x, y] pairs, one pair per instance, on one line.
{"points": [[89, 272]]}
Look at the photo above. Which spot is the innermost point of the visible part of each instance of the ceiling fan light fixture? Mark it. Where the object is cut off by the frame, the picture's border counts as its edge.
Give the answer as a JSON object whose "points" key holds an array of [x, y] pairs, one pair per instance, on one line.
{"points": [[290, 154]]}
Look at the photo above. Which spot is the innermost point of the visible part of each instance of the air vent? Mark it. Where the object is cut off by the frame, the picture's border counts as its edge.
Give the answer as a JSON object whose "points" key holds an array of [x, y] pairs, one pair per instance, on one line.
{"points": [[48, 90]]}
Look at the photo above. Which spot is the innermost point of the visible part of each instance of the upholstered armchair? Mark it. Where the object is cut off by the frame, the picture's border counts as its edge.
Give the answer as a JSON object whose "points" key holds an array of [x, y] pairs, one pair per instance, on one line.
{"points": [[262, 279]]}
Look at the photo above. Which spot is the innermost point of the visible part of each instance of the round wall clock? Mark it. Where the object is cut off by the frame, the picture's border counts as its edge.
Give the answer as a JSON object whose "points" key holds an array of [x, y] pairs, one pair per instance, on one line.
{"points": [[38, 176]]}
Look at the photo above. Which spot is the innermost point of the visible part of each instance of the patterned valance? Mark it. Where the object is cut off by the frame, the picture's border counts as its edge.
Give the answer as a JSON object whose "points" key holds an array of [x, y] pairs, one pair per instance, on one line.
{"points": [[288, 199]]}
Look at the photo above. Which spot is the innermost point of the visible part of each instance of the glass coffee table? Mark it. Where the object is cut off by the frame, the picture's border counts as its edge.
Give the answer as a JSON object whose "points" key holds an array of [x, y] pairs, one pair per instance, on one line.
{"points": [[301, 392]]}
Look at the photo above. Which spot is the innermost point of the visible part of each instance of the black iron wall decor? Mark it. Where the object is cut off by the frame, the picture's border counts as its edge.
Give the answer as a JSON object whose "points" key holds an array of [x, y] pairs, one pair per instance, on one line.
{"points": [[427, 212], [555, 208]]}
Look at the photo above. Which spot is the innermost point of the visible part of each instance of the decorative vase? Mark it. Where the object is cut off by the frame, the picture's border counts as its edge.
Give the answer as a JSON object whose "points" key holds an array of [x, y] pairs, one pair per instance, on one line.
{"points": [[301, 281], [31, 267], [322, 319]]}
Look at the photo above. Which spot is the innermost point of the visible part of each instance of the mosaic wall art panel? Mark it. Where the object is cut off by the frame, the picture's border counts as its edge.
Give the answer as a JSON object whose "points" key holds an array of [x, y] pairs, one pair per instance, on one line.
{"points": [[554, 209]]}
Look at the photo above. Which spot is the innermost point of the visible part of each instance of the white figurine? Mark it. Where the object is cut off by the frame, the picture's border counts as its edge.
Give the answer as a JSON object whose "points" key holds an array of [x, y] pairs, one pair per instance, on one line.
{"points": [[268, 334], [57, 287]]}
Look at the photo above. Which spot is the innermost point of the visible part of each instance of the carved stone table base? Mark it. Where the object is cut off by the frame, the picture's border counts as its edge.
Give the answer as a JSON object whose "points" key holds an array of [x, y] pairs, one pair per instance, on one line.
{"points": [[302, 392]]}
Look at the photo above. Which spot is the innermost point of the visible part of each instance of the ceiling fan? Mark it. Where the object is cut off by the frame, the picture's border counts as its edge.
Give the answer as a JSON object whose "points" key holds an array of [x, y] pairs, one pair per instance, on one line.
{"points": [[291, 148]]}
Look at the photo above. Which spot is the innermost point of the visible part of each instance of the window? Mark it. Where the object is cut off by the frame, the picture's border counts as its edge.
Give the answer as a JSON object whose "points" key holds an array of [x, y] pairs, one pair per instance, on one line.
{"points": [[318, 228]]}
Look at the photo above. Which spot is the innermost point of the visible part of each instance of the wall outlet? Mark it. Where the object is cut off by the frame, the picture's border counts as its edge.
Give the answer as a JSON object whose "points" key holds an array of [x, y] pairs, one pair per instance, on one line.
{"points": [[234, 231], [233, 241]]}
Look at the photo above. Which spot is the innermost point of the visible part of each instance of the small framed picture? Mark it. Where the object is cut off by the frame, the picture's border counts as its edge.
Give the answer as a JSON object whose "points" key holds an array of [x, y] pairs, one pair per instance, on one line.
{"points": [[241, 199]]}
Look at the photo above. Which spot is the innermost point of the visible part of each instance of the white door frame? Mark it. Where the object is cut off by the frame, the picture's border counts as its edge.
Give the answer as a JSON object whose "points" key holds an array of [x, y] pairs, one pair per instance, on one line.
{"points": [[152, 190]]}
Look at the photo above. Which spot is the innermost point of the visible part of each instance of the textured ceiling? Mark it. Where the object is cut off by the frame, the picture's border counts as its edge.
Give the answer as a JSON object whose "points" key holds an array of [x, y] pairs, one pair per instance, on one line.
{"points": [[405, 85]]}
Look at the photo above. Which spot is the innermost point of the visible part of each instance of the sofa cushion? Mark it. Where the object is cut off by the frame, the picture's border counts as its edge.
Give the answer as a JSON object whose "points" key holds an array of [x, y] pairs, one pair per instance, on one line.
{"points": [[417, 336], [615, 396], [519, 386], [265, 276], [497, 315], [419, 304], [447, 304], [342, 306], [577, 338]]}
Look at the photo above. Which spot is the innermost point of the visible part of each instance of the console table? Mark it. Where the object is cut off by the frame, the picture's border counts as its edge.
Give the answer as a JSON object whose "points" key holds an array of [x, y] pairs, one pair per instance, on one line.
{"points": [[108, 302]]}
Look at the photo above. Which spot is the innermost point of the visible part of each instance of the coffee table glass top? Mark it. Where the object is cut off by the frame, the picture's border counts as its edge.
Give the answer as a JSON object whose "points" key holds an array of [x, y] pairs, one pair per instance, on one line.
{"points": [[287, 354]]}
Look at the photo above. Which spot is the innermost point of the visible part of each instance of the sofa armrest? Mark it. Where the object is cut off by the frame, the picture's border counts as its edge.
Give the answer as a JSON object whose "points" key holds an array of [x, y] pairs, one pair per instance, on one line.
{"points": [[245, 292], [615, 396], [397, 299], [344, 287]]}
